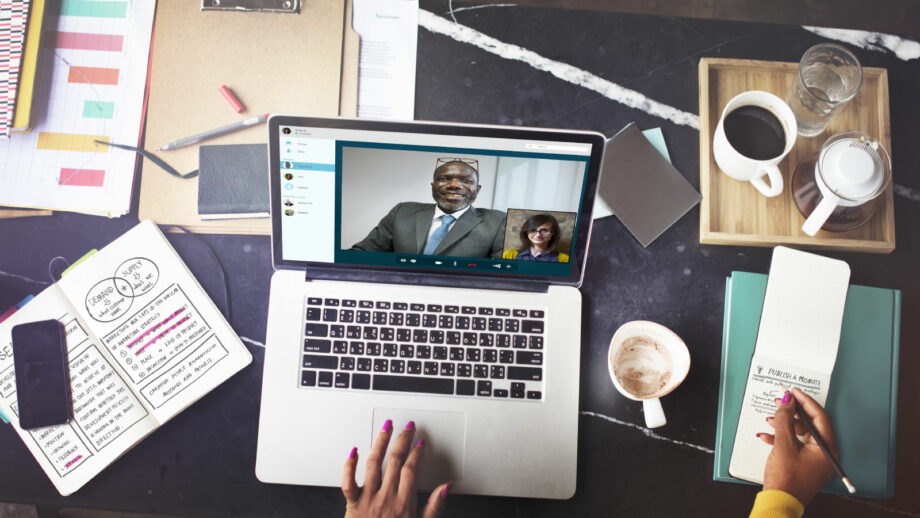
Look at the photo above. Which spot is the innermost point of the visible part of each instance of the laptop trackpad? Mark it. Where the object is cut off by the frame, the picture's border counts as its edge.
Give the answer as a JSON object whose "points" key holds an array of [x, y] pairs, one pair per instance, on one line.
{"points": [[445, 441]]}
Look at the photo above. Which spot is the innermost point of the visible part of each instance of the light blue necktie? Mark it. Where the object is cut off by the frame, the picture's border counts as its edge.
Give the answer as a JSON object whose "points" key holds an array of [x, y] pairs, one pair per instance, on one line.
{"points": [[439, 234]]}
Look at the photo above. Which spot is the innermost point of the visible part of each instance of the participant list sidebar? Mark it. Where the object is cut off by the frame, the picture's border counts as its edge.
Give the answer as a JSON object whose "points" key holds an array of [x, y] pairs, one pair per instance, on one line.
{"points": [[308, 198]]}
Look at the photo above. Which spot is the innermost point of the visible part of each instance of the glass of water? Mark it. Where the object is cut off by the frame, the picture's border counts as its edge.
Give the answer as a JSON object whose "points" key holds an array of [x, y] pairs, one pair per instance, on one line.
{"points": [[829, 76]]}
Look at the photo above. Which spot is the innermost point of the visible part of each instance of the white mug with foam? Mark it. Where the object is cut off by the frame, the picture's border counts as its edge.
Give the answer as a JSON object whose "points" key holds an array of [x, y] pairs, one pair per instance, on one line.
{"points": [[740, 167], [647, 361]]}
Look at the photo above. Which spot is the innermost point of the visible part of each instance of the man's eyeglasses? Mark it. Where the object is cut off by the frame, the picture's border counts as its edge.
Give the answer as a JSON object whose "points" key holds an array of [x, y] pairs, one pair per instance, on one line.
{"points": [[541, 231], [472, 162]]}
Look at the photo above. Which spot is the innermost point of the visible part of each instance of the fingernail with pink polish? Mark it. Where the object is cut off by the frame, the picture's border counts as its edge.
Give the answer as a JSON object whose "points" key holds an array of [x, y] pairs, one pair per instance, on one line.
{"points": [[769, 419], [387, 425], [410, 425], [446, 490], [759, 434], [354, 453], [787, 397], [420, 443]]}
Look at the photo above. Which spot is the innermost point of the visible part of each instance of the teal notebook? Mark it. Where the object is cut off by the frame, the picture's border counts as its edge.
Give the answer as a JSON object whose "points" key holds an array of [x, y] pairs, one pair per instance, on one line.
{"points": [[863, 396]]}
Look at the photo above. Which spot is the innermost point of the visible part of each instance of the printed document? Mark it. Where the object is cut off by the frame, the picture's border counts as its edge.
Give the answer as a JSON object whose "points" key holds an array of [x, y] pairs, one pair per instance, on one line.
{"points": [[386, 63]]}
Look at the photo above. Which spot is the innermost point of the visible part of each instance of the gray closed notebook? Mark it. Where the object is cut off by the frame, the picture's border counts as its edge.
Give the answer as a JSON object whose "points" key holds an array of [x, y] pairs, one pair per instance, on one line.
{"points": [[233, 181], [641, 187]]}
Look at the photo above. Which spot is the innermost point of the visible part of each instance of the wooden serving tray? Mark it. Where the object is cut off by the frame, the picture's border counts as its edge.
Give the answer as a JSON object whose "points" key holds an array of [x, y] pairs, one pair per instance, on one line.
{"points": [[732, 212]]}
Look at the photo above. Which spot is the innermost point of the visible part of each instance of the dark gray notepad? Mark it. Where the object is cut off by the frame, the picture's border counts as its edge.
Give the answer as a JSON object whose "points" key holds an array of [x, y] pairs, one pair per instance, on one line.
{"points": [[641, 187], [233, 181]]}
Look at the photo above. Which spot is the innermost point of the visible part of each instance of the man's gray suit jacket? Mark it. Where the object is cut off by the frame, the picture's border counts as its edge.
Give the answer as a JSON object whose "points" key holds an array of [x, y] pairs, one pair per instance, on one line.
{"points": [[404, 230]]}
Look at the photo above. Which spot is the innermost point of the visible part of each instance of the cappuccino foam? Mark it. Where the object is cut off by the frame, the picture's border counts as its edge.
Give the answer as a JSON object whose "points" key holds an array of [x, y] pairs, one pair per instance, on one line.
{"points": [[642, 366]]}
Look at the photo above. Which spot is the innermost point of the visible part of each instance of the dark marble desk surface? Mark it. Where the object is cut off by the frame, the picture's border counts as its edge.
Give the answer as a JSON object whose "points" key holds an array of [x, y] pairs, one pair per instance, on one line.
{"points": [[201, 463]]}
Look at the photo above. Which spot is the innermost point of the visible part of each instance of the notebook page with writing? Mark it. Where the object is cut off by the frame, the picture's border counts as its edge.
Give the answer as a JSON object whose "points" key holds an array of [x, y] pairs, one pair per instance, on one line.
{"points": [[796, 346], [102, 427], [144, 342], [152, 316]]}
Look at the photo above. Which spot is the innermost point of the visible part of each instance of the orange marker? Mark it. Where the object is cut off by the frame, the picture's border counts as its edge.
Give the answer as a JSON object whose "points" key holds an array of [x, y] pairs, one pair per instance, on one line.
{"points": [[234, 102]]}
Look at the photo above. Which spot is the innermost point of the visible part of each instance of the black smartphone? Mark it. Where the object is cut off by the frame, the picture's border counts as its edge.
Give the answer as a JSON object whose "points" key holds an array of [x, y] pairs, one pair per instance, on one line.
{"points": [[42, 377]]}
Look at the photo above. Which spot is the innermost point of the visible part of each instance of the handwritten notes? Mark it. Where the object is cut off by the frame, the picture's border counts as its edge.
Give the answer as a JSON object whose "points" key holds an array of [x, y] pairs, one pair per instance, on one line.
{"points": [[796, 346], [143, 341], [110, 298]]}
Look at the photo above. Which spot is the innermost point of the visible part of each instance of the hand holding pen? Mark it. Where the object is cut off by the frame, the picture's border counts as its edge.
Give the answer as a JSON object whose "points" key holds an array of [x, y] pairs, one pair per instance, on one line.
{"points": [[797, 467]]}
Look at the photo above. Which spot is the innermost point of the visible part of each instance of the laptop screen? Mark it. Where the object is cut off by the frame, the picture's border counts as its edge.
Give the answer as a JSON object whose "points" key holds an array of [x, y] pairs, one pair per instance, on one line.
{"points": [[422, 197]]}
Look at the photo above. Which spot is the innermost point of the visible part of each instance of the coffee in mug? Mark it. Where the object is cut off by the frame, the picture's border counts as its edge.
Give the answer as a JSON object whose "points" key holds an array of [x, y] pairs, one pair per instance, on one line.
{"points": [[647, 361], [756, 131]]}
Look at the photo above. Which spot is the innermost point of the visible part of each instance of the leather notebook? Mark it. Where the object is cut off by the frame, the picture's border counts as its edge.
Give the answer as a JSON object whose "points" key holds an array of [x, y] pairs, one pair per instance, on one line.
{"points": [[642, 188], [233, 181]]}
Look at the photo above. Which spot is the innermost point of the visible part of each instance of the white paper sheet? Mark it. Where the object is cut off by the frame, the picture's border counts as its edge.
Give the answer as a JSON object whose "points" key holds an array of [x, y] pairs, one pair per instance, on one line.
{"points": [[386, 67]]}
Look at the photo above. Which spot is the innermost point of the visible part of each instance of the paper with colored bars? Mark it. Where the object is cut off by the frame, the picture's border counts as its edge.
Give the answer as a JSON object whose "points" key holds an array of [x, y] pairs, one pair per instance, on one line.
{"points": [[91, 87], [13, 17]]}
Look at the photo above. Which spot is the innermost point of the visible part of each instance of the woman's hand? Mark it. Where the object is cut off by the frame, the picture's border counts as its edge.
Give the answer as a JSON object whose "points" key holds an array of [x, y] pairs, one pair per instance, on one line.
{"points": [[393, 494], [796, 467]]}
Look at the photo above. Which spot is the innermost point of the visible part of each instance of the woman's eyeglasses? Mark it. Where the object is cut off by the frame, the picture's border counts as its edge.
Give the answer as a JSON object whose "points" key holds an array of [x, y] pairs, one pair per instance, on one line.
{"points": [[541, 231]]}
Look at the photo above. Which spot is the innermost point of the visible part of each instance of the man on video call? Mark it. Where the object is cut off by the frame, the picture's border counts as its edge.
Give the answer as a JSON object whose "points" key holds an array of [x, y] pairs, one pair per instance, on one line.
{"points": [[451, 226]]}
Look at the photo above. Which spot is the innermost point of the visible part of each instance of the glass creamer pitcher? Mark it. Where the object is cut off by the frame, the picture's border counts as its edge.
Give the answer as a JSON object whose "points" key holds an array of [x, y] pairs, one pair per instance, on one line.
{"points": [[836, 189]]}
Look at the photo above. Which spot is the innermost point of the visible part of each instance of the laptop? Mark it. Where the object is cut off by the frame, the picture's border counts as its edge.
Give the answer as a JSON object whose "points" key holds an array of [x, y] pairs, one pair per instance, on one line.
{"points": [[376, 312]]}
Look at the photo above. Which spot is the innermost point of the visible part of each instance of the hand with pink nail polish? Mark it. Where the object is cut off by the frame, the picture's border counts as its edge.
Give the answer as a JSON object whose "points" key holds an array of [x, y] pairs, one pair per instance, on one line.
{"points": [[795, 466], [390, 493]]}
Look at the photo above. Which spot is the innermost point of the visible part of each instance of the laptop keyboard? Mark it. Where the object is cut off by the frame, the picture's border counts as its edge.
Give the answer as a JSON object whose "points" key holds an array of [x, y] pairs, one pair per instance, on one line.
{"points": [[472, 351]]}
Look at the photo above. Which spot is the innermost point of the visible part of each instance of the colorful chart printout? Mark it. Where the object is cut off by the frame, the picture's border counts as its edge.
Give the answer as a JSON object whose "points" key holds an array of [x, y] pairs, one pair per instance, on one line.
{"points": [[90, 91]]}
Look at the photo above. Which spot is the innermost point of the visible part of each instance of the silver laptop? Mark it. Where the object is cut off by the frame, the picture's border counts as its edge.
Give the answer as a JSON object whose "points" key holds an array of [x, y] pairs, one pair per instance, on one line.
{"points": [[427, 272]]}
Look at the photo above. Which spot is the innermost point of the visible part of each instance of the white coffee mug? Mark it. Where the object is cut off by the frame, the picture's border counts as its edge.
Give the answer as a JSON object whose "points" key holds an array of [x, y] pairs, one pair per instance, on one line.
{"points": [[647, 361], [741, 167]]}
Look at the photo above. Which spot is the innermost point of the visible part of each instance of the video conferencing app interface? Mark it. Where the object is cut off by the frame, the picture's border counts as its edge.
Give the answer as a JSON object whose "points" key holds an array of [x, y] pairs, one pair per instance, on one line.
{"points": [[408, 200]]}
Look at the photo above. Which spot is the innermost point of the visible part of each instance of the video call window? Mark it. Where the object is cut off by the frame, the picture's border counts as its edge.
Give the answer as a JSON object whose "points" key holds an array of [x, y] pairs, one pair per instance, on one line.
{"points": [[392, 198]]}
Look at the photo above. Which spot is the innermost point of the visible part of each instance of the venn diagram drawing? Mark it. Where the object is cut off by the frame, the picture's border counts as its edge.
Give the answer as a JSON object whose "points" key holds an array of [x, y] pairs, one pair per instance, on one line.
{"points": [[111, 298]]}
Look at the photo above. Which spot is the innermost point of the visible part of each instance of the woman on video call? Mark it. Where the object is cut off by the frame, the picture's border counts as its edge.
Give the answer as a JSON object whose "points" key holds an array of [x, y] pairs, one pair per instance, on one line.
{"points": [[539, 241]]}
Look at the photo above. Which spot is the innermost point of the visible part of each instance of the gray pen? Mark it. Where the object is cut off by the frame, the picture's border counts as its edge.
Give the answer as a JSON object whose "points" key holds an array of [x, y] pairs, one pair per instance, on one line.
{"points": [[223, 130]]}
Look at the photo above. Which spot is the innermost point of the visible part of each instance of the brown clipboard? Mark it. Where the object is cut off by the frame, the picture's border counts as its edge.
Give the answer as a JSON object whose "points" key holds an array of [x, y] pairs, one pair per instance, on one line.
{"points": [[304, 64]]}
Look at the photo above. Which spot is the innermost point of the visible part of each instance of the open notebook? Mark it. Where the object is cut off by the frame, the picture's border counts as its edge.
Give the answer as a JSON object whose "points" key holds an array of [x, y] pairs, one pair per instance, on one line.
{"points": [[144, 342], [796, 346]]}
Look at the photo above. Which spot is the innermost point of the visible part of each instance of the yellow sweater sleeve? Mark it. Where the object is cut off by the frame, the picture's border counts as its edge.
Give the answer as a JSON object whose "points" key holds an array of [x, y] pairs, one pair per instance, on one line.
{"points": [[774, 503]]}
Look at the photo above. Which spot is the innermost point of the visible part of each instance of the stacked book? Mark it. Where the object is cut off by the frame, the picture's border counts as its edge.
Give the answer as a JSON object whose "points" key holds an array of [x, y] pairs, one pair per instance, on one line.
{"points": [[20, 35], [20, 41]]}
